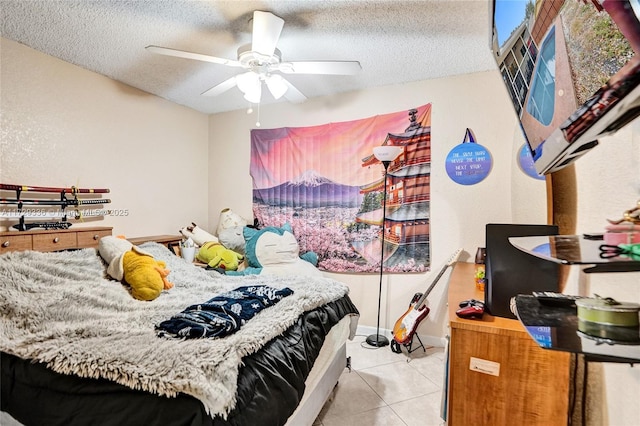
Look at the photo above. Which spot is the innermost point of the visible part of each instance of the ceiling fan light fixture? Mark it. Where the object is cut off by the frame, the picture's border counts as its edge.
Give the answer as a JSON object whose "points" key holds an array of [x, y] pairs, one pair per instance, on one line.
{"points": [[254, 94], [276, 85], [250, 85], [247, 81]]}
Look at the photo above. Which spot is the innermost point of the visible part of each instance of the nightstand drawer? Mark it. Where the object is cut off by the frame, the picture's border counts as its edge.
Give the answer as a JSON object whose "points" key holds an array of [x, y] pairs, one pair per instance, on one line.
{"points": [[91, 238], [14, 243], [54, 241]]}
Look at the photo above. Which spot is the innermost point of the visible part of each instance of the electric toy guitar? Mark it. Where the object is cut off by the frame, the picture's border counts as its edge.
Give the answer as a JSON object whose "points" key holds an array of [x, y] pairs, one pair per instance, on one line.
{"points": [[407, 324]]}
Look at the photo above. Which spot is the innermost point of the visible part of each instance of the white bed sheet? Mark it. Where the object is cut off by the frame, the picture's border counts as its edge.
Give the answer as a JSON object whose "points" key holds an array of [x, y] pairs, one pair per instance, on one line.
{"points": [[331, 362]]}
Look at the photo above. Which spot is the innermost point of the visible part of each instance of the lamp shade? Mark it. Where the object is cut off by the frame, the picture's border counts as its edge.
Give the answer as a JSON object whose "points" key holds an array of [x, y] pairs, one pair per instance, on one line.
{"points": [[249, 83], [386, 152], [276, 85], [255, 94]]}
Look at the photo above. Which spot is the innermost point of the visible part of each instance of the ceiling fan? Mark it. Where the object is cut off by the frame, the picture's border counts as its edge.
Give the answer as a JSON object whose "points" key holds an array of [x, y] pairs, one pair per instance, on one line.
{"points": [[262, 60]]}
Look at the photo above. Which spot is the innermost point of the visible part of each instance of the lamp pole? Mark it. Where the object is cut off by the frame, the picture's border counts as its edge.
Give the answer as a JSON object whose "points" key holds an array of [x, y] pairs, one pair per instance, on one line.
{"points": [[376, 339]]}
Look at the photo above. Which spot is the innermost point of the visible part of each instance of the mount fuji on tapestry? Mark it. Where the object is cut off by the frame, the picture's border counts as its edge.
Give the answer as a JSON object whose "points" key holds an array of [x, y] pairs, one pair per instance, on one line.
{"points": [[326, 183]]}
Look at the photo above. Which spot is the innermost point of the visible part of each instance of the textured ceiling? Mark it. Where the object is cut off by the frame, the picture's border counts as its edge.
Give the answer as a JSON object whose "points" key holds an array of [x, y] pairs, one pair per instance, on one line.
{"points": [[394, 41]]}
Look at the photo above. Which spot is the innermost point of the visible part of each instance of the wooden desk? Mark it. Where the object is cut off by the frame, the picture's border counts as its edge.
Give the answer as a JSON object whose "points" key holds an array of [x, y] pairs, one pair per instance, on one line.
{"points": [[532, 384]]}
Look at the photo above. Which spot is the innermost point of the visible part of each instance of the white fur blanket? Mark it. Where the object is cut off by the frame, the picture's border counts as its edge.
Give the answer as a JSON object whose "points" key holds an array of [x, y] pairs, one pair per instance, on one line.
{"points": [[59, 309]]}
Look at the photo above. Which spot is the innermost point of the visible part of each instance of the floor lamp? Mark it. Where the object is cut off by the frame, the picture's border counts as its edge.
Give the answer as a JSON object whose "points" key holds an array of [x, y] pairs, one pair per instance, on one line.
{"points": [[385, 154]]}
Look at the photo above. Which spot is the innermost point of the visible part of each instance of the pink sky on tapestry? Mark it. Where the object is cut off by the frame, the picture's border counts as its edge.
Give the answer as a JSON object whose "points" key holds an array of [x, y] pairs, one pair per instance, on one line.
{"points": [[326, 183]]}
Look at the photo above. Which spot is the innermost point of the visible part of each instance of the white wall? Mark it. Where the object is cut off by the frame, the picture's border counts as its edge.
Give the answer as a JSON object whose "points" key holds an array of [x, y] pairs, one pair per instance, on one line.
{"points": [[609, 184], [62, 125], [458, 213]]}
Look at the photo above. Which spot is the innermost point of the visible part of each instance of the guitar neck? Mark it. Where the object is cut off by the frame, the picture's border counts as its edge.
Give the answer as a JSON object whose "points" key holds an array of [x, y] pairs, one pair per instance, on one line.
{"points": [[435, 281], [433, 284]]}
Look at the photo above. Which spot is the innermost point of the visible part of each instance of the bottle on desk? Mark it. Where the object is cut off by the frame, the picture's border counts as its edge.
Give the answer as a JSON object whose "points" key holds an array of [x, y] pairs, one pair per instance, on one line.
{"points": [[479, 275]]}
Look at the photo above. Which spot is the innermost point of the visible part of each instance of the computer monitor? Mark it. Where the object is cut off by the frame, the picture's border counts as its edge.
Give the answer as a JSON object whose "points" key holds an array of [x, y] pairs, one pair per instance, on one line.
{"points": [[510, 271]]}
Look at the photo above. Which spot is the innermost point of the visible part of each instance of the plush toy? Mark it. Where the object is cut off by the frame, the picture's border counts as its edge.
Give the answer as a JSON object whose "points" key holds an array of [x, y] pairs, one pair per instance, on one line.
{"points": [[230, 228], [233, 238], [146, 276], [230, 219], [197, 234], [275, 251], [218, 256]]}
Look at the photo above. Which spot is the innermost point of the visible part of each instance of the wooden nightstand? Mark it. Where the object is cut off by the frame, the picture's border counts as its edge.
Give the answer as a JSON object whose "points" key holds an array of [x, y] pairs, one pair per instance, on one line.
{"points": [[172, 242], [52, 240]]}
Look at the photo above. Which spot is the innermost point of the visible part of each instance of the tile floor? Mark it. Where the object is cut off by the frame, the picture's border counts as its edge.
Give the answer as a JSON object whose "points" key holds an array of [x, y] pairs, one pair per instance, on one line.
{"points": [[387, 389]]}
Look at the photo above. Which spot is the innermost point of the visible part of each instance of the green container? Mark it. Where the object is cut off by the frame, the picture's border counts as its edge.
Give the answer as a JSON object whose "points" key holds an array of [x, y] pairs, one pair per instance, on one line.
{"points": [[616, 333], [608, 312]]}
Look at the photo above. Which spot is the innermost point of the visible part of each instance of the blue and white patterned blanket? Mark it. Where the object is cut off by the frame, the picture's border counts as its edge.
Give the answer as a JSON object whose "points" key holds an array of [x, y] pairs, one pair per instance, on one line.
{"points": [[223, 314]]}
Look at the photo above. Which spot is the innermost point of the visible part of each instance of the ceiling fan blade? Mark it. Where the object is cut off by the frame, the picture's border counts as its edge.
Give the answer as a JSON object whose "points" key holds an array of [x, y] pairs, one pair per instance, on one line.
{"points": [[189, 55], [266, 32], [321, 67], [221, 88], [292, 94]]}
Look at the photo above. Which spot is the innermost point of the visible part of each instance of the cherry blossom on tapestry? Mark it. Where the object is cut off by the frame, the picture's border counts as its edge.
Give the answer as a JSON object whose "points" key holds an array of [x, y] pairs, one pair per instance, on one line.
{"points": [[325, 182]]}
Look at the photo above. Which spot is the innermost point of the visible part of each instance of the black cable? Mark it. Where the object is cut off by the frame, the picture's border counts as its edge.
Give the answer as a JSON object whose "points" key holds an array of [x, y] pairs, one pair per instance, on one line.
{"points": [[584, 392], [364, 344], [368, 346], [574, 386]]}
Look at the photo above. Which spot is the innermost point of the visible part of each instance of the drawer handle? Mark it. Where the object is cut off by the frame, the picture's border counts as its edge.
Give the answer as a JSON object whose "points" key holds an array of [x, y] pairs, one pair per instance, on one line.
{"points": [[6, 244], [96, 237], [56, 239]]}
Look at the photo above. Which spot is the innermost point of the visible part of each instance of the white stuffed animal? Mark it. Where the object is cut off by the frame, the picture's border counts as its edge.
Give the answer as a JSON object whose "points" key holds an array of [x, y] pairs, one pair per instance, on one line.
{"points": [[230, 219], [197, 234]]}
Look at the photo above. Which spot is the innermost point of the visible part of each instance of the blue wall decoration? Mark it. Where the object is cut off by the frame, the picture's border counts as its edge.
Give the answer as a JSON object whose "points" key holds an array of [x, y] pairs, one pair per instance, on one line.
{"points": [[469, 162], [525, 161]]}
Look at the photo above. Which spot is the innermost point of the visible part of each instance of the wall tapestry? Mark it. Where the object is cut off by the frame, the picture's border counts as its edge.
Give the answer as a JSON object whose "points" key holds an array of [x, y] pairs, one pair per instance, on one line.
{"points": [[325, 182]]}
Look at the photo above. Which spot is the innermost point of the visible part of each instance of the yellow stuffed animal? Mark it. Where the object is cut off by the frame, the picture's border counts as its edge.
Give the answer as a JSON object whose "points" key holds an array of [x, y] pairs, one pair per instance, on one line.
{"points": [[146, 276], [218, 256]]}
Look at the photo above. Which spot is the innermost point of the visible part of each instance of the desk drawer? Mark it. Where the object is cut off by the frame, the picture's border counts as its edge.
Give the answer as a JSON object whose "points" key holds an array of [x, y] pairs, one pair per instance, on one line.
{"points": [[91, 238], [14, 243], [54, 241]]}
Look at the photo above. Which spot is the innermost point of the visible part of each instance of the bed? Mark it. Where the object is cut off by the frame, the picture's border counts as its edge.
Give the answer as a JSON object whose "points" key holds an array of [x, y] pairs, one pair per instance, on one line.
{"points": [[77, 349]]}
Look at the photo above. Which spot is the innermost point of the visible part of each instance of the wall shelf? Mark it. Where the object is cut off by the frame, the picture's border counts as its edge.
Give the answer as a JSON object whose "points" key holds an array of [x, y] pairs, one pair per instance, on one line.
{"points": [[574, 250], [558, 328]]}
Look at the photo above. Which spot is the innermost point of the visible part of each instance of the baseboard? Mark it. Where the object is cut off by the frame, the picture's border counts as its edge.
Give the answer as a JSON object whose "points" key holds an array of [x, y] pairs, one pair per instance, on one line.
{"points": [[427, 340]]}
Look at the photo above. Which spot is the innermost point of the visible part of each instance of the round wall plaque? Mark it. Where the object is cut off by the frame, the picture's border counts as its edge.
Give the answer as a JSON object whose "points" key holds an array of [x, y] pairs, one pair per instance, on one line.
{"points": [[525, 161], [469, 162]]}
